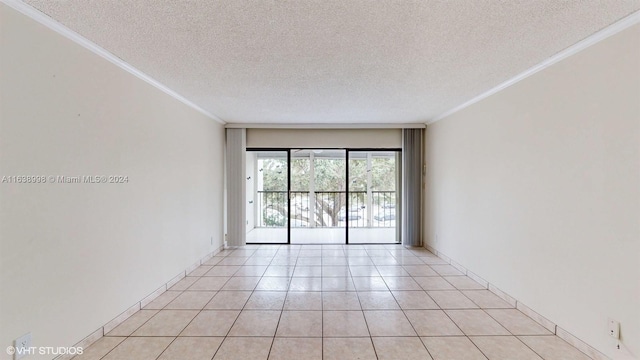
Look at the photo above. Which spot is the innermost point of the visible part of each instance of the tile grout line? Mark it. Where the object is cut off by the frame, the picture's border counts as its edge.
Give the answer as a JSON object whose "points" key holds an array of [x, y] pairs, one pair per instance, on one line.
{"points": [[275, 331], [449, 317], [284, 259], [199, 312], [366, 323], [191, 321], [89, 340], [235, 320], [405, 314], [583, 347]]}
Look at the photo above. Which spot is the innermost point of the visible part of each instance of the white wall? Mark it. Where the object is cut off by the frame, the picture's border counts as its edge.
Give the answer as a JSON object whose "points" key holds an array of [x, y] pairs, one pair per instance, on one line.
{"points": [[324, 138], [537, 190], [73, 256]]}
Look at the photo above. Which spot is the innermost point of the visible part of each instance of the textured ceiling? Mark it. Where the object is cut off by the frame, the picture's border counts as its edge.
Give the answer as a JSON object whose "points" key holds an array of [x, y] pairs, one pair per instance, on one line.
{"points": [[328, 61]]}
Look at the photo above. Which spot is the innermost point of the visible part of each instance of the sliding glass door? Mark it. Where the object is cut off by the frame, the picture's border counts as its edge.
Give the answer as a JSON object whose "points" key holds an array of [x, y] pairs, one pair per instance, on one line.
{"points": [[373, 183], [322, 196], [318, 183], [267, 195]]}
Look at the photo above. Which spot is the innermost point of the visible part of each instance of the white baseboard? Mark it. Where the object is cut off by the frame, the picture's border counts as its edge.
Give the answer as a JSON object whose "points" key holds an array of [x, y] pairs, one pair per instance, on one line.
{"points": [[546, 323], [112, 324]]}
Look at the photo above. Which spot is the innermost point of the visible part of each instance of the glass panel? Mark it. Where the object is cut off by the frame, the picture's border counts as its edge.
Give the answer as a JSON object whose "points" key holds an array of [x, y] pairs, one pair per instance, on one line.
{"points": [[358, 177], [317, 195], [373, 179], [300, 180], [267, 210]]}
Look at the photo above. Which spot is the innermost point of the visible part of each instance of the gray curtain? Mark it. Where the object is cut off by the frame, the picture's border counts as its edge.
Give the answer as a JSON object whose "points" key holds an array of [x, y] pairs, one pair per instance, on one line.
{"points": [[411, 217], [236, 186]]}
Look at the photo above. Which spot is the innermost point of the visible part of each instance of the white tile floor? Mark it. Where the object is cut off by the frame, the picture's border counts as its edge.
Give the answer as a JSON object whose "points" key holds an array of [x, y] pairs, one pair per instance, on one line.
{"points": [[329, 302]]}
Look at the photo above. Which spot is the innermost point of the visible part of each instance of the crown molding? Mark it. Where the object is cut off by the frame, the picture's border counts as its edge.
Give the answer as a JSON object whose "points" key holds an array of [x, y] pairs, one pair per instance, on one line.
{"points": [[618, 26], [50, 23]]}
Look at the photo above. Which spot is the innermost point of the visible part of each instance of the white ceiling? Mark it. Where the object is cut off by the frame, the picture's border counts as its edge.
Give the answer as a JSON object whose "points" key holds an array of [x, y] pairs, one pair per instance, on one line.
{"points": [[333, 61]]}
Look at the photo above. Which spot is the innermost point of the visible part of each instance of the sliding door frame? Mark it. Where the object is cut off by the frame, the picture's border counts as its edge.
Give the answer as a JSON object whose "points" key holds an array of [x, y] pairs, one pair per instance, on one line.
{"points": [[399, 150], [288, 191]]}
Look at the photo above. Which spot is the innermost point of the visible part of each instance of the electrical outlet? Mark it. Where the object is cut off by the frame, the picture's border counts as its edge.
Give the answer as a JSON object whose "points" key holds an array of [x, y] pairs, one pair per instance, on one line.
{"points": [[22, 346], [613, 328]]}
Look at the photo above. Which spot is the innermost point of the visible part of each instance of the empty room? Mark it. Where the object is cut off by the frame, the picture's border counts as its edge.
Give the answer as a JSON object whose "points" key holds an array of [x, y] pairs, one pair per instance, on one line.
{"points": [[280, 180]]}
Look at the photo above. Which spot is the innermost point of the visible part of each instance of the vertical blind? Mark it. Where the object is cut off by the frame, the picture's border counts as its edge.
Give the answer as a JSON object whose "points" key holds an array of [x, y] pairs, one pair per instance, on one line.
{"points": [[236, 192], [411, 216]]}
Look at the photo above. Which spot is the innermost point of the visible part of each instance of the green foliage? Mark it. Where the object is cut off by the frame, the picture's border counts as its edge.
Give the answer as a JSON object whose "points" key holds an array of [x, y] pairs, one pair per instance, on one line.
{"points": [[300, 169], [274, 220], [383, 176], [274, 172], [329, 177], [329, 174]]}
